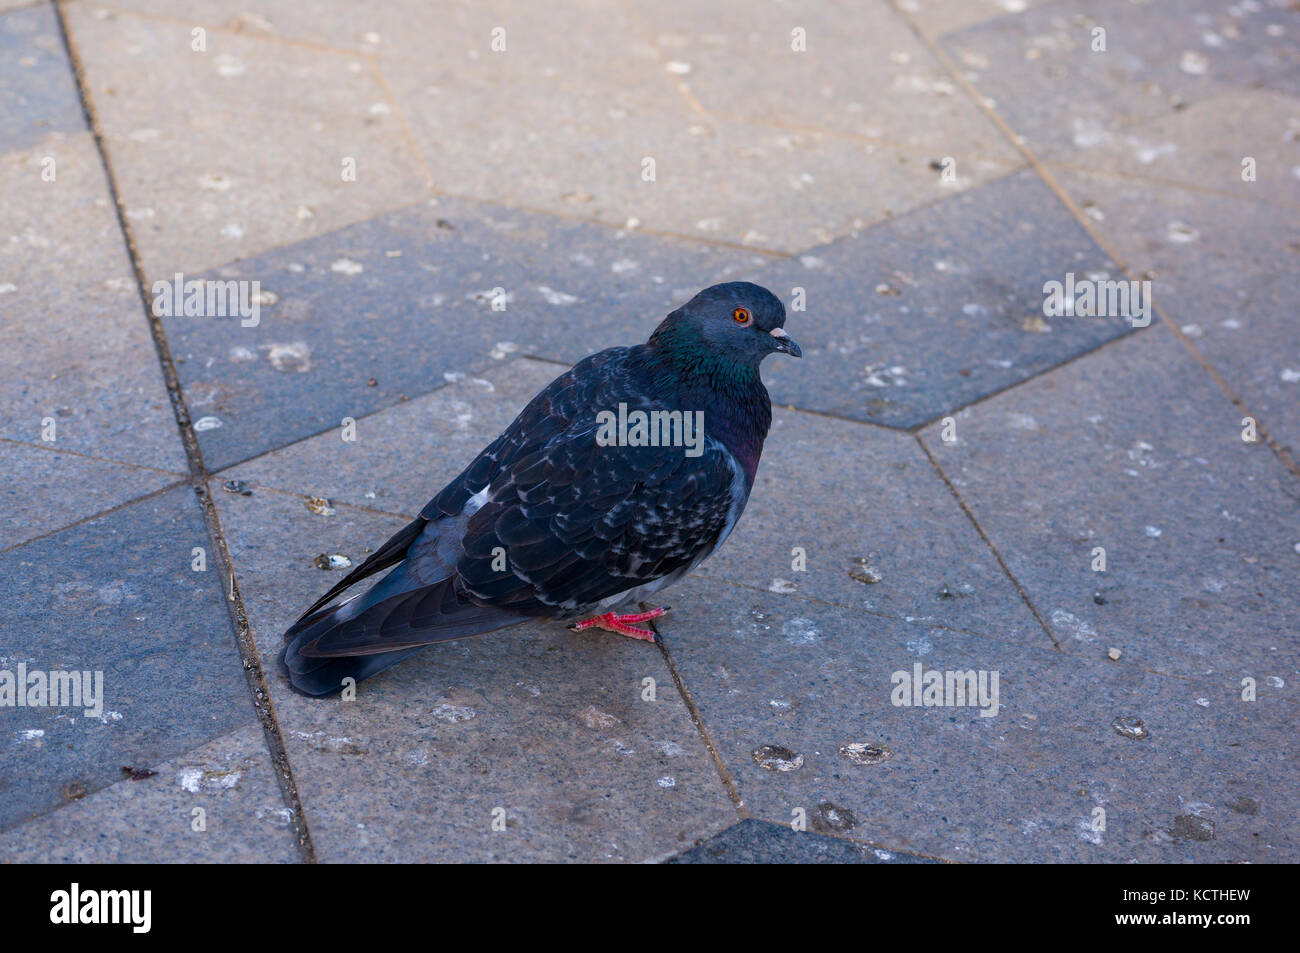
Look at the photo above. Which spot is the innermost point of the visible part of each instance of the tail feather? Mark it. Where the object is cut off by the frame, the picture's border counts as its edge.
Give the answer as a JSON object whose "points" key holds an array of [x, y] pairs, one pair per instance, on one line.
{"points": [[368, 633], [391, 553], [319, 677]]}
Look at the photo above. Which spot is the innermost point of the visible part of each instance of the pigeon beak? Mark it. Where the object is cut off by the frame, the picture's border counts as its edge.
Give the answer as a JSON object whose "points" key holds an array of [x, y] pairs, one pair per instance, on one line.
{"points": [[786, 344]]}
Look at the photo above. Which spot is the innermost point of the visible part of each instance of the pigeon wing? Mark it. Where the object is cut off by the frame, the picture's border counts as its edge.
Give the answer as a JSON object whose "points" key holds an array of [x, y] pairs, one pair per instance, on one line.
{"points": [[579, 523]]}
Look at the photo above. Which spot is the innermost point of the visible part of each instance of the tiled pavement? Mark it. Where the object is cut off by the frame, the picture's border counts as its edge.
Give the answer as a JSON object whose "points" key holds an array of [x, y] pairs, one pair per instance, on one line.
{"points": [[944, 468]]}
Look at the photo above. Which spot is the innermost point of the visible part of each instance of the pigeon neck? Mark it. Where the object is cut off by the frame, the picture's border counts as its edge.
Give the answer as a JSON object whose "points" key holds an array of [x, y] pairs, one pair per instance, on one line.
{"points": [[691, 360], [736, 406]]}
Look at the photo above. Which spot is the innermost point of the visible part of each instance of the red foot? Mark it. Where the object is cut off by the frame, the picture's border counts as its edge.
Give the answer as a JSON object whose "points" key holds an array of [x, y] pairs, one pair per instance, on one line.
{"points": [[619, 623]]}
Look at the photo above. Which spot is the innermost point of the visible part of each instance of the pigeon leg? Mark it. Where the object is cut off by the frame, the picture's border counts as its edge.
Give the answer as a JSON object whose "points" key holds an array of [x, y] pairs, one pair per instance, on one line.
{"points": [[622, 623]]}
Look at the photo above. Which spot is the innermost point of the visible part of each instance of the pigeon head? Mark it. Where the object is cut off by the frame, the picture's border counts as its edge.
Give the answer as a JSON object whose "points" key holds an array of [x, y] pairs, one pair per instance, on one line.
{"points": [[738, 322]]}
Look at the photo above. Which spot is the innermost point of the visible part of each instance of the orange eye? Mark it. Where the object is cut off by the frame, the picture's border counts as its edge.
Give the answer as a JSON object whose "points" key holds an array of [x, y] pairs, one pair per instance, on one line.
{"points": [[741, 315]]}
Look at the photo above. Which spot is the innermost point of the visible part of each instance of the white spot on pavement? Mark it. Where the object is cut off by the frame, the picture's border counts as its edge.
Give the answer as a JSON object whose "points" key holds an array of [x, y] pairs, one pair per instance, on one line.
{"points": [[1149, 154], [1073, 626], [593, 717], [1018, 421], [199, 781], [453, 714], [800, 631], [556, 297], [229, 66], [292, 357], [1194, 63]]}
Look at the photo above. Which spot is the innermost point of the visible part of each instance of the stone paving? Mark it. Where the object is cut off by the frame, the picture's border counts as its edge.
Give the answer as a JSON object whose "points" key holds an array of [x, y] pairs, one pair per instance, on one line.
{"points": [[446, 204]]}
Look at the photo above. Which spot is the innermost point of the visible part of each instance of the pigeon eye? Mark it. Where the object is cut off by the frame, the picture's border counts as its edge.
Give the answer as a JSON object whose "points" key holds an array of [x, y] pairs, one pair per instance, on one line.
{"points": [[741, 316]]}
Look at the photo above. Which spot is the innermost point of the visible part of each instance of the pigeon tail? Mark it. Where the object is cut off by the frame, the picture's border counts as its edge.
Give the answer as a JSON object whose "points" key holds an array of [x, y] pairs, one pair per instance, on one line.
{"points": [[321, 677], [368, 633]]}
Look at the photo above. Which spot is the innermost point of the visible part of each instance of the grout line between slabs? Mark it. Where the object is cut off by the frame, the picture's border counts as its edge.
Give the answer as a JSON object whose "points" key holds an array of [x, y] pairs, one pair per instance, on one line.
{"points": [[1040, 168], [648, 36], [198, 476], [1124, 335], [1152, 181], [378, 70], [31, 445], [997, 554], [108, 511], [693, 710]]}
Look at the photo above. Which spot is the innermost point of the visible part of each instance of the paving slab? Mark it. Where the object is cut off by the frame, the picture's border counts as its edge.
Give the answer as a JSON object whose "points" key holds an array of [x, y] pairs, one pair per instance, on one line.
{"points": [[206, 179], [46, 489], [546, 725], [1257, 124], [707, 169], [759, 842], [851, 498], [116, 596], [404, 299], [1199, 528], [564, 116], [911, 319], [226, 789], [863, 73], [75, 344], [1225, 270], [1041, 74], [38, 96], [804, 718]]}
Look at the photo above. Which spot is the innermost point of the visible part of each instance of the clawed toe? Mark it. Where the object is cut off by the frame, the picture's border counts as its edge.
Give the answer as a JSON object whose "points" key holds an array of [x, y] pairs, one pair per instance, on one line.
{"points": [[621, 624]]}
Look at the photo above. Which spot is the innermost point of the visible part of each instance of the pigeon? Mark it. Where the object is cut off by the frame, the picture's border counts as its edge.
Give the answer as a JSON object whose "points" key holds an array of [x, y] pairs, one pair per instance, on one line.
{"points": [[620, 477]]}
